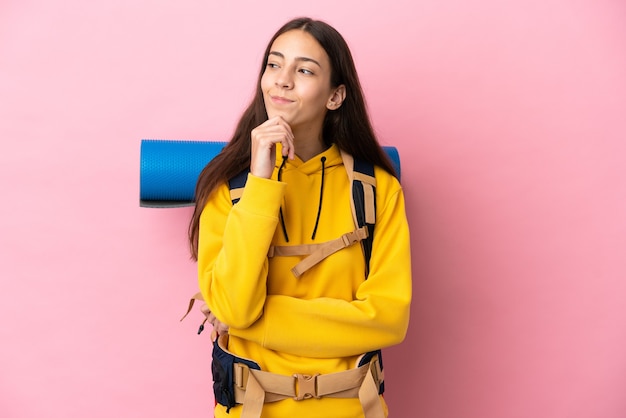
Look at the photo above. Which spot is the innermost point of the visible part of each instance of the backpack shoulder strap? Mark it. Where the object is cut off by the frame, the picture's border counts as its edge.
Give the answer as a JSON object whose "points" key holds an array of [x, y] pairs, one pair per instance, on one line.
{"points": [[363, 202], [361, 175]]}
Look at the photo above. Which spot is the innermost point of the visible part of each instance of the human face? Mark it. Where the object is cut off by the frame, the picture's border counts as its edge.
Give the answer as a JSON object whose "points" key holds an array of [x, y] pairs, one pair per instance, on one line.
{"points": [[296, 82]]}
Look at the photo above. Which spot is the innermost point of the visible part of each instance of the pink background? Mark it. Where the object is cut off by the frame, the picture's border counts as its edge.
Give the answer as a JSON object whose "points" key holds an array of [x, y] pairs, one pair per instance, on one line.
{"points": [[510, 121]]}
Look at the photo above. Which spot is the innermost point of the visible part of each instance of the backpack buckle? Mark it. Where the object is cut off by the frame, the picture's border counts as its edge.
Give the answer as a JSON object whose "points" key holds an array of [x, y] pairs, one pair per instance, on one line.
{"points": [[306, 386]]}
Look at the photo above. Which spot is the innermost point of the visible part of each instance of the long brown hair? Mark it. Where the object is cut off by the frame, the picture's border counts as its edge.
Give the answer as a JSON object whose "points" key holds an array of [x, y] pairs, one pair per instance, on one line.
{"points": [[349, 126]]}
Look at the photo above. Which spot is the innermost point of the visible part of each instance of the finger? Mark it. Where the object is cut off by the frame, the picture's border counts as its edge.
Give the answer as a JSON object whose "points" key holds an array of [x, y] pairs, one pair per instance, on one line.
{"points": [[269, 135], [288, 143], [221, 328], [290, 149]]}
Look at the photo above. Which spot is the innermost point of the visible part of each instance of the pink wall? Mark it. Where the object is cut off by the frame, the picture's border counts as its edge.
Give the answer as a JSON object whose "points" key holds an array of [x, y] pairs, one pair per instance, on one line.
{"points": [[510, 120]]}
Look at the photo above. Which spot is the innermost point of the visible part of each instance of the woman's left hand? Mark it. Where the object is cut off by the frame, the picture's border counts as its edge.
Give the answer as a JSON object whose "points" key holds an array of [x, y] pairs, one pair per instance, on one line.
{"points": [[218, 326]]}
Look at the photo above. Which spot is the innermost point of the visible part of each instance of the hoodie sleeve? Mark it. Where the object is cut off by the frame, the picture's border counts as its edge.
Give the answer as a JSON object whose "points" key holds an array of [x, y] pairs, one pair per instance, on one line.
{"points": [[377, 317], [236, 289]]}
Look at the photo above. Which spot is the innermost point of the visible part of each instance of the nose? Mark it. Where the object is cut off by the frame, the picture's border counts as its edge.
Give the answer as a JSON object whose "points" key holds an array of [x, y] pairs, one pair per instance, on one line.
{"points": [[284, 79]]}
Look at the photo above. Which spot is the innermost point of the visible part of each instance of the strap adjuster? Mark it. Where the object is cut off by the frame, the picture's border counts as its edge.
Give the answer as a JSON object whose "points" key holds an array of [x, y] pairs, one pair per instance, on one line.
{"points": [[349, 239], [306, 386], [355, 236], [240, 375]]}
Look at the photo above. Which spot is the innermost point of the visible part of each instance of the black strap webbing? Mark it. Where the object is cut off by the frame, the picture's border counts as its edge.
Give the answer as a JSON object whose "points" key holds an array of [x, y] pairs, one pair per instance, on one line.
{"points": [[358, 194]]}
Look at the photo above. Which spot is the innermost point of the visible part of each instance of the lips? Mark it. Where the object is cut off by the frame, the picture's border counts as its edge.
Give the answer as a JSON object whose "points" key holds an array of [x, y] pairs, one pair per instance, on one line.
{"points": [[280, 100]]}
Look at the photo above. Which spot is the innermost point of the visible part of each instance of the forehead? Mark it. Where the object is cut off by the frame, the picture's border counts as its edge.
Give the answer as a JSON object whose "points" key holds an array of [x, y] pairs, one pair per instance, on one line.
{"points": [[299, 44]]}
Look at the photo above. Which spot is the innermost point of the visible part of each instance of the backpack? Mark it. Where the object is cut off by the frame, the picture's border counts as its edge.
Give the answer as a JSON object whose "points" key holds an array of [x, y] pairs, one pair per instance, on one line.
{"points": [[363, 207]]}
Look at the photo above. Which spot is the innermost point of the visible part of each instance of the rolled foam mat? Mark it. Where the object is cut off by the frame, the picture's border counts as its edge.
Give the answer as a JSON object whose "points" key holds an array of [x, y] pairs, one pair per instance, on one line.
{"points": [[169, 170]]}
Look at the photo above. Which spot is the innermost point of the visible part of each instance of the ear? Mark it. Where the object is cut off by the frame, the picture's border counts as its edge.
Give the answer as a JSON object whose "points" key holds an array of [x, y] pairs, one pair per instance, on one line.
{"points": [[337, 98]]}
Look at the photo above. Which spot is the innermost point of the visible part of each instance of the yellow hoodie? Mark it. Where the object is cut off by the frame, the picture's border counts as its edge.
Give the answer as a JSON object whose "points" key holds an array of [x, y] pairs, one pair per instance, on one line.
{"points": [[324, 320]]}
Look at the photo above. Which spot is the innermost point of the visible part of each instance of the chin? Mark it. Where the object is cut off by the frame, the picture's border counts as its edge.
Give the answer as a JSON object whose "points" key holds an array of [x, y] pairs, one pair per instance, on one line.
{"points": [[273, 113]]}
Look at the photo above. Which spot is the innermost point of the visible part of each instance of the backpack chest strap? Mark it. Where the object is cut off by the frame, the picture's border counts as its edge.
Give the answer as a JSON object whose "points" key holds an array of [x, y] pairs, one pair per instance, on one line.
{"points": [[317, 252]]}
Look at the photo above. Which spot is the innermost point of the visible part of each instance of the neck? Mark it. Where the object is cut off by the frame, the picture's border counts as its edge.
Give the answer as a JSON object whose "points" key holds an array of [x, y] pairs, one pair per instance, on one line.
{"points": [[308, 146]]}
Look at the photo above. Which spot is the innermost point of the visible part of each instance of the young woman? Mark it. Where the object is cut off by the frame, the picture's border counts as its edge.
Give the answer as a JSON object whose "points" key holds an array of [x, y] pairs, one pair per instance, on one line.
{"points": [[293, 333]]}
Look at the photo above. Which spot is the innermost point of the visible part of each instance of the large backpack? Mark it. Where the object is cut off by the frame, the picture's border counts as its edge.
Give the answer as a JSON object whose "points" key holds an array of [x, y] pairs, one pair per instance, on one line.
{"points": [[363, 207]]}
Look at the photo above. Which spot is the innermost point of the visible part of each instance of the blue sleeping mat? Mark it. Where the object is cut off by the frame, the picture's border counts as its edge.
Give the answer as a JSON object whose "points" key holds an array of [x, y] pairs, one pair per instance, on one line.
{"points": [[170, 168]]}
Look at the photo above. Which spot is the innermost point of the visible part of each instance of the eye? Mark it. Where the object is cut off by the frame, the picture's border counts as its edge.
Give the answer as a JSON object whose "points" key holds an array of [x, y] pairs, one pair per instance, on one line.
{"points": [[272, 65], [305, 71]]}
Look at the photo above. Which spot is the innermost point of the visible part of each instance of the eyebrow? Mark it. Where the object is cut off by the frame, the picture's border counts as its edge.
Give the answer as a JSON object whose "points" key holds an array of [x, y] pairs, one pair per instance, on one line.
{"points": [[305, 59]]}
